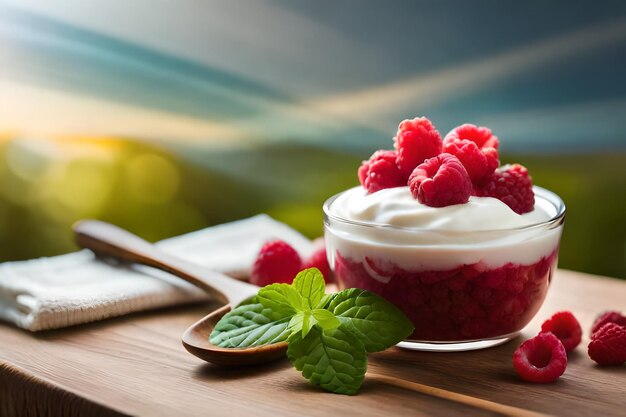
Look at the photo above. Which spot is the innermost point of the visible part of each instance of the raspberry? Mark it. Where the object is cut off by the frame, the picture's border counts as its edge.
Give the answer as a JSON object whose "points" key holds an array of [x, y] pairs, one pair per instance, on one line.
{"points": [[319, 260], [608, 317], [441, 181], [416, 141], [541, 359], [363, 171], [486, 144], [564, 326], [512, 185], [277, 261], [478, 166], [381, 171], [480, 135], [608, 345]]}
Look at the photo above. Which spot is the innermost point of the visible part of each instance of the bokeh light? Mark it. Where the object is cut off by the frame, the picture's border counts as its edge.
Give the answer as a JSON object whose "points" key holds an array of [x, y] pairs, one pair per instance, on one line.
{"points": [[151, 179]]}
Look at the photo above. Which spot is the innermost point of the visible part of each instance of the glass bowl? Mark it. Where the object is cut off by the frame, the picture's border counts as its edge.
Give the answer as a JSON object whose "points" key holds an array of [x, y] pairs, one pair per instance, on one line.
{"points": [[462, 290]]}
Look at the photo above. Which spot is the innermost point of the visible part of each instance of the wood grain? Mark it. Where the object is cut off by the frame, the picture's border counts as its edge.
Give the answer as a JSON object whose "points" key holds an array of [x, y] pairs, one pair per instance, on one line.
{"points": [[18, 388], [136, 366]]}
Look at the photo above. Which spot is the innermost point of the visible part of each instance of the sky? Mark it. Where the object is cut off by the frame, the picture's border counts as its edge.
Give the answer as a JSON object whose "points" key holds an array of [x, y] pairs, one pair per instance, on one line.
{"points": [[545, 76]]}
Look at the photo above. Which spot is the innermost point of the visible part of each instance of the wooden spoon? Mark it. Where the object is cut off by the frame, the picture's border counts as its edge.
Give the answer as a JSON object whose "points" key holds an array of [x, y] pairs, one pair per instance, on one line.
{"points": [[107, 240]]}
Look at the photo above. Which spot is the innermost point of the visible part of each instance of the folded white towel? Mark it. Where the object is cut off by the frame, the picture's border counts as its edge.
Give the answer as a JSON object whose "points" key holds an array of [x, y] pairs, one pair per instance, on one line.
{"points": [[65, 290]]}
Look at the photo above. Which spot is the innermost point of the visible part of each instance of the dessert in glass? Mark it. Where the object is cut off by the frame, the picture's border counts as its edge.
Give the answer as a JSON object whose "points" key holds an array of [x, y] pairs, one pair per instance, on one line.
{"points": [[467, 257]]}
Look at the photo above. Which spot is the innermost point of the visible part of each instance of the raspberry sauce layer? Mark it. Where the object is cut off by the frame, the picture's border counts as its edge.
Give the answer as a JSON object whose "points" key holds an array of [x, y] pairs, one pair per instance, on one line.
{"points": [[464, 303]]}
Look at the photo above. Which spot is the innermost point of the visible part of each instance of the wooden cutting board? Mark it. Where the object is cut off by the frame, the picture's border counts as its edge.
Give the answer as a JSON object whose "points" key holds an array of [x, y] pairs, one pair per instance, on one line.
{"points": [[136, 366]]}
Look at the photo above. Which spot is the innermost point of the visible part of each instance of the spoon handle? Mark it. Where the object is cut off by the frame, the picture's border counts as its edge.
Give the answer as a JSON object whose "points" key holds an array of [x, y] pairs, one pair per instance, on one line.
{"points": [[107, 240]]}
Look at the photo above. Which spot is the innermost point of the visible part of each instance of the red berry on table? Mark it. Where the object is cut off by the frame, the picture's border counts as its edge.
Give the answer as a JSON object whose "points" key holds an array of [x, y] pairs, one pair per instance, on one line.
{"points": [[512, 185], [416, 141], [319, 260], [608, 345], [564, 326], [277, 261], [380, 172], [541, 359], [441, 181], [608, 317]]}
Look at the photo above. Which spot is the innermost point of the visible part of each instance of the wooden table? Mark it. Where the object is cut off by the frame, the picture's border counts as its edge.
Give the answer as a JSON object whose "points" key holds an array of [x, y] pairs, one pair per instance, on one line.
{"points": [[136, 366]]}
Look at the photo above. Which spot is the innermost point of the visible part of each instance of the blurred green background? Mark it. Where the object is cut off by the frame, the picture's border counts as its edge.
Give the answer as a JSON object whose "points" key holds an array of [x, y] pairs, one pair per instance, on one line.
{"points": [[170, 120]]}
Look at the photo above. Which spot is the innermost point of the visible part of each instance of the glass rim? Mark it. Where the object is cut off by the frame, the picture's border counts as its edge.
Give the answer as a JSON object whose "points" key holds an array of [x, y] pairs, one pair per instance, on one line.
{"points": [[540, 192]]}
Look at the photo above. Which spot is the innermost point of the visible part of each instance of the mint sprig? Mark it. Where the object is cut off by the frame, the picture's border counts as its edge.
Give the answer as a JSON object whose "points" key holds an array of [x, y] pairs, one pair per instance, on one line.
{"points": [[328, 335]]}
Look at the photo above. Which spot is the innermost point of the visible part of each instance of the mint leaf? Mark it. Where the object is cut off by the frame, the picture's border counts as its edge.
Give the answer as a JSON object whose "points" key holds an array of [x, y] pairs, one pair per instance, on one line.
{"points": [[296, 323], [378, 323], [310, 284], [249, 300], [281, 298], [333, 359], [302, 322], [325, 319], [250, 325], [324, 301]]}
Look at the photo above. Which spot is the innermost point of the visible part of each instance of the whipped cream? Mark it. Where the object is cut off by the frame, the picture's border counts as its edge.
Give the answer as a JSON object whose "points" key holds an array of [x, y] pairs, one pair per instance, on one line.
{"points": [[391, 225], [397, 207]]}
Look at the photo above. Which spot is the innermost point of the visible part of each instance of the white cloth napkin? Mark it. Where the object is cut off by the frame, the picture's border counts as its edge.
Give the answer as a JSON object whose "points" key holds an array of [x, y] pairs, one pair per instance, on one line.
{"points": [[65, 290]]}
